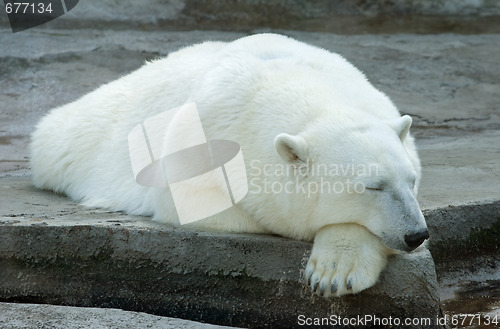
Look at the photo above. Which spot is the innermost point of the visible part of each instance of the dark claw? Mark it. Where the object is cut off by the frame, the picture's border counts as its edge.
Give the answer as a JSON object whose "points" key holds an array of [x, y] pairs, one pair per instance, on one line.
{"points": [[349, 285], [334, 288], [315, 286]]}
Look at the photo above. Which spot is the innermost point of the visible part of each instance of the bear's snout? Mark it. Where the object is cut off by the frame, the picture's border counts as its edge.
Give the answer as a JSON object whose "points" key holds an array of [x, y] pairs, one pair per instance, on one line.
{"points": [[416, 239]]}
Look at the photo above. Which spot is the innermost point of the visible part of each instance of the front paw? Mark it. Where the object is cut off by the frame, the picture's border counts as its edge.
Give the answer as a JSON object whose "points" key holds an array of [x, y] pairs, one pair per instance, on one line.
{"points": [[345, 259]]}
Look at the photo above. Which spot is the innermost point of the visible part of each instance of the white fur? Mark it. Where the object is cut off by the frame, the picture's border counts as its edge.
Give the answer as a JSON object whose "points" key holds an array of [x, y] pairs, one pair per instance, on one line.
{"points": [[287, 104]]}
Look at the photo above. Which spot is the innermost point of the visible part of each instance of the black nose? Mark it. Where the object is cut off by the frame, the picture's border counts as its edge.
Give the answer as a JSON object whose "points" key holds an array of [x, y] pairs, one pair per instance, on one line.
{"points": [[416, 239]]}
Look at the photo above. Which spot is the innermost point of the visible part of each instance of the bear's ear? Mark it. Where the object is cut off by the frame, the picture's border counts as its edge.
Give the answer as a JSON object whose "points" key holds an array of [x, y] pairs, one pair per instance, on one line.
{"points": [[401, 126], [291, 148]]}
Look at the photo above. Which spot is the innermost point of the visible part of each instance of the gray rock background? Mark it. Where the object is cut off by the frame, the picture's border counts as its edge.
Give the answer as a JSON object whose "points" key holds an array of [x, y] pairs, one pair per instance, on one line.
{"points": [[338, 16]]}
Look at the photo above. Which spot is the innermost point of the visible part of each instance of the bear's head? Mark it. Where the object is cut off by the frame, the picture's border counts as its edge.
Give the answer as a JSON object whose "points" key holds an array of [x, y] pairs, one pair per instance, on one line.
{"points": [[357, 171]]}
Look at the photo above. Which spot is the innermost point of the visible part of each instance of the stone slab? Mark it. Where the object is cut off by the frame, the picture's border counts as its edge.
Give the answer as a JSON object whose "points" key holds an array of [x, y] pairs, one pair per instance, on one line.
{"points": [[29, 316]]}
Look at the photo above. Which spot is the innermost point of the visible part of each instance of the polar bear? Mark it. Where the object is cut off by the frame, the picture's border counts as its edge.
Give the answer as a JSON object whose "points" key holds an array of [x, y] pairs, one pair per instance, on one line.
{"points": [[307, 122]]}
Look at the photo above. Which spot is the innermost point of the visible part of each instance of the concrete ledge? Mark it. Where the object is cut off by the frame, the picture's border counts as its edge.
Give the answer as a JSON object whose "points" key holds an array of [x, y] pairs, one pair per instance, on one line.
{"points": [[28, 316], [219, 279], [71, 255]]}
